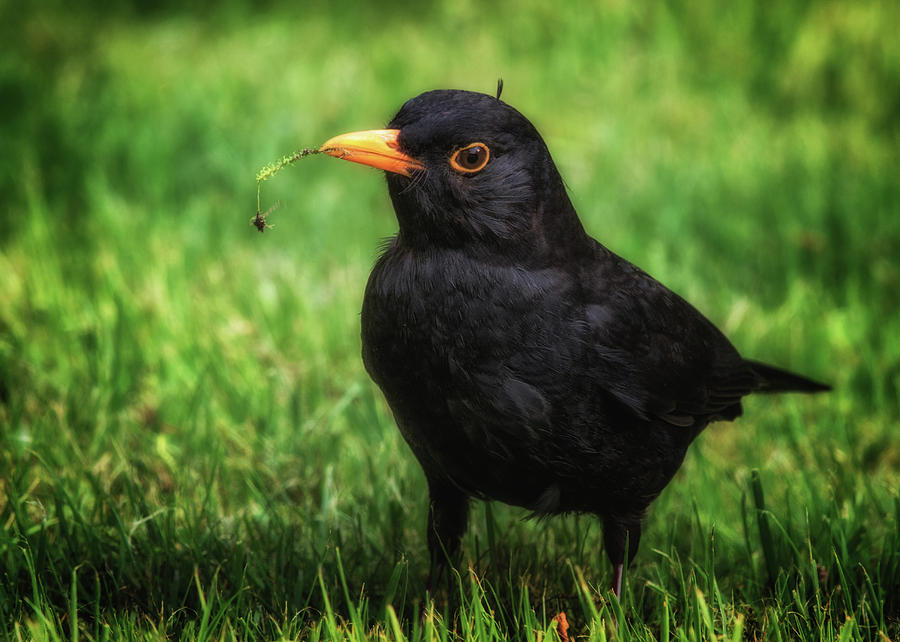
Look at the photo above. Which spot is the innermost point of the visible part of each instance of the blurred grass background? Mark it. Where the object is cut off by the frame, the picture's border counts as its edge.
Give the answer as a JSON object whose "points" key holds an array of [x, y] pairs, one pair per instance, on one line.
{"points": [[187, 435]]}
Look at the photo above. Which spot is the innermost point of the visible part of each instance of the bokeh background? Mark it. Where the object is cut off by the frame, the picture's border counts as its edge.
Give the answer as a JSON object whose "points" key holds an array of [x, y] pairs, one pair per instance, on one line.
{"points": [[187, 435]]}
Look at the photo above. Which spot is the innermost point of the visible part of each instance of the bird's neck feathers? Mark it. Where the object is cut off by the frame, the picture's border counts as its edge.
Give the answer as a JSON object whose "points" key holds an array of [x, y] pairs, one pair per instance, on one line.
{"points": [[535, 222], [561, 229]]}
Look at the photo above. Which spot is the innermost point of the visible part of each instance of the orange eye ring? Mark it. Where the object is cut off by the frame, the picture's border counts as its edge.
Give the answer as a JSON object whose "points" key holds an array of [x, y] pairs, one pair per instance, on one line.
{"points": [[471, 158]]}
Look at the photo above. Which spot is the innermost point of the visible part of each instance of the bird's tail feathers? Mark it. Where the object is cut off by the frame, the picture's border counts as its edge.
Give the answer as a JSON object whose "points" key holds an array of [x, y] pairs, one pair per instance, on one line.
{"points": [[774, 379]]}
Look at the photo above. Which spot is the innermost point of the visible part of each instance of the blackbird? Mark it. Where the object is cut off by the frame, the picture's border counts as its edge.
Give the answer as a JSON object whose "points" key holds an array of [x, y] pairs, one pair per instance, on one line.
{"points": [[524, 361]]}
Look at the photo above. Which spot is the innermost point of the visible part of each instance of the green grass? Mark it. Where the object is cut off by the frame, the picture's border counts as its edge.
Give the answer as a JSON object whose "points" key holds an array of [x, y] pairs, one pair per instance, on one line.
{"points": [[189, 446]]}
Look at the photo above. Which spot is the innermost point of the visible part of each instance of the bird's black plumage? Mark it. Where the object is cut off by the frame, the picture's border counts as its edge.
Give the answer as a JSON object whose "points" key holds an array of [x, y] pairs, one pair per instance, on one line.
{"points": [[524, 361]]}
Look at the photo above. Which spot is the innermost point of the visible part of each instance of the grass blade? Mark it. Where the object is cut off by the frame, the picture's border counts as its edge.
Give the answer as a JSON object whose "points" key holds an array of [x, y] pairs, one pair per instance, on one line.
{"points": [[765, 534]]}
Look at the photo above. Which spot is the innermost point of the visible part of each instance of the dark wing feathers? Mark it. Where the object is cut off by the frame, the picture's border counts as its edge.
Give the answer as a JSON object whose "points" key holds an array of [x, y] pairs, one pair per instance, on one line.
{"points": [[656, 353]]}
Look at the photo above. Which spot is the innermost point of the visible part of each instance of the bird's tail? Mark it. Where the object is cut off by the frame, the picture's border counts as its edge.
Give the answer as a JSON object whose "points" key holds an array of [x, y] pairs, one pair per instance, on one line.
{"points": [[772, 379]]}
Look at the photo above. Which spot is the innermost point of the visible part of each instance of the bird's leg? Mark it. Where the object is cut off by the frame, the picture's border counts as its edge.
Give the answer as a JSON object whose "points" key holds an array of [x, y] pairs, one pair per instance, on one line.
{"points": [[620, 534], [448, 515], [618, 571]]}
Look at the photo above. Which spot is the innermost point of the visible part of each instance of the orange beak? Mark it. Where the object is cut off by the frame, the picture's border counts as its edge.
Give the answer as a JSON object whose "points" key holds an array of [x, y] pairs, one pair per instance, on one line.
{"points": [[376, 148]]}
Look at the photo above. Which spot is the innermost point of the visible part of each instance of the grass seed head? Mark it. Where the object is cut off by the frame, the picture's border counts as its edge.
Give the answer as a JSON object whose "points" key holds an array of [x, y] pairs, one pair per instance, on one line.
{"points": [[266, 173]]}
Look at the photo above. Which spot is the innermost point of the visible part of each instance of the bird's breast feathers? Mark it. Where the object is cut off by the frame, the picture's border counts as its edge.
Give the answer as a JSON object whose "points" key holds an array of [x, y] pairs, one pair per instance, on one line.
{"points": [[441, 303], [439, 319]]}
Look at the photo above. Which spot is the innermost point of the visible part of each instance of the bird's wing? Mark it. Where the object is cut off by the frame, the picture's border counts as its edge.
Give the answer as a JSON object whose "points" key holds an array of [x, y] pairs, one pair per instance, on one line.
{"points": [[655, 352]]}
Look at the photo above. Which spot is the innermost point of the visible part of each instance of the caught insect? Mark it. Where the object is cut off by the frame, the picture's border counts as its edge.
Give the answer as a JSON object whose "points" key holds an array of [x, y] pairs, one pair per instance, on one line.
{"points": [[260, 219]]}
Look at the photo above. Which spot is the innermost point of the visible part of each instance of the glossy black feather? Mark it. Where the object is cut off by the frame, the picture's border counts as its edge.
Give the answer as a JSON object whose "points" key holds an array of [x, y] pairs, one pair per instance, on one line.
{"points": [[524, 361]]}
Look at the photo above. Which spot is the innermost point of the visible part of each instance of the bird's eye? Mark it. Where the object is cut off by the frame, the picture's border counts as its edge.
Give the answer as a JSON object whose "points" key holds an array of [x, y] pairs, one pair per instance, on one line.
{"points": [[471, 158]]}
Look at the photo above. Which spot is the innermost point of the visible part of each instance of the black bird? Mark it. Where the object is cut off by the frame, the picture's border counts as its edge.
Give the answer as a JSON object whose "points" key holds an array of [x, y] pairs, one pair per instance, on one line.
{"points": [[525, 362]]}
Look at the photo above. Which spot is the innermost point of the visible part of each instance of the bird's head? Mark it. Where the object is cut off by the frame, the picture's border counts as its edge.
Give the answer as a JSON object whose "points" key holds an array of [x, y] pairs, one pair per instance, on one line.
{"points": [[466, 170]]}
